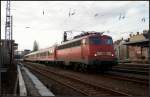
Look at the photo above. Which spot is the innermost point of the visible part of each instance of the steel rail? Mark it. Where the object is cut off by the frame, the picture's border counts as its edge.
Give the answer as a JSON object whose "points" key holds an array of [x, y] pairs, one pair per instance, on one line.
{"points": [[90, 84]]}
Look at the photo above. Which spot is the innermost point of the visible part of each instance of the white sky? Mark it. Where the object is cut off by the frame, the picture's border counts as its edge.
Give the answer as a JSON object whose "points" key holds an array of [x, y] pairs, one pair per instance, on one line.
{"points": [[48, 29]]}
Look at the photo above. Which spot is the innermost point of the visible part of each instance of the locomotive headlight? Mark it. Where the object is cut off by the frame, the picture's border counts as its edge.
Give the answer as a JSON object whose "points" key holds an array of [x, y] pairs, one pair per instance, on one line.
{"points": [[95, 55], [112, 54]]}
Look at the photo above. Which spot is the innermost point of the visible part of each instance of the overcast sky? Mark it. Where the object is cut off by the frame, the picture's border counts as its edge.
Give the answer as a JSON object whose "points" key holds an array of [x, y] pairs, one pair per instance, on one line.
{"points": [[47, 20]]}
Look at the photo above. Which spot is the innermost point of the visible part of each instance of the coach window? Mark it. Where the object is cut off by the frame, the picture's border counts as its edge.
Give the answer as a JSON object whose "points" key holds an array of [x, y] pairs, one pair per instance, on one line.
{"points": [[44, 53], [67, 45], [63, 46], [47, 53], [60, 47], [76, 43], [72, 44], [79, 43]]}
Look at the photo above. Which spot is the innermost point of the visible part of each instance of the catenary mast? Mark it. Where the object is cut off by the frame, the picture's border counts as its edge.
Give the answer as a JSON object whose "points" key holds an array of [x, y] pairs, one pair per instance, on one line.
{"points": [[8, 30]]}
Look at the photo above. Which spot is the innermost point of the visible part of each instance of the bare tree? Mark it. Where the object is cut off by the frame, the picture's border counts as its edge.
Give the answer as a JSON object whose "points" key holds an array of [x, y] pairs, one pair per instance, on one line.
{"points": [[35, 46]]}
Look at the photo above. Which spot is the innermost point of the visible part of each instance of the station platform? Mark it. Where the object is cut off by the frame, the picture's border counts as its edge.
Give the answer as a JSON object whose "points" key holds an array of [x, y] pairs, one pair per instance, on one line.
{"points": [[30, 85]]}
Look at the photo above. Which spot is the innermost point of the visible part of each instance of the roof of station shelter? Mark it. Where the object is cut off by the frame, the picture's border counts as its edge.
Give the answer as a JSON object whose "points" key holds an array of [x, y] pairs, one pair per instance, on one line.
{"points": [[141, 43]]}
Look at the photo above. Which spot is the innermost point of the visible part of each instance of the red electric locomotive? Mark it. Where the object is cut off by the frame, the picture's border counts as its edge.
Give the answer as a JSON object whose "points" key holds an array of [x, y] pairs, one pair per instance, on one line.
{"points": [[87, 50]]}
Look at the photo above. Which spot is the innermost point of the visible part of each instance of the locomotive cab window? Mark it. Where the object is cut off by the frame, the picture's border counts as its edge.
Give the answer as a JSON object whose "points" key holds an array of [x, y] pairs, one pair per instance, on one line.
{"points": [[108, 41], [95, 40]]}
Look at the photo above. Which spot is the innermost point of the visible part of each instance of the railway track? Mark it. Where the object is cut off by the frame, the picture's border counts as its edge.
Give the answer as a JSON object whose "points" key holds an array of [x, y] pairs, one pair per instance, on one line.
{"points": [[75, 83], [141, 69], [127, 78], [137, 73], [130, 70]]}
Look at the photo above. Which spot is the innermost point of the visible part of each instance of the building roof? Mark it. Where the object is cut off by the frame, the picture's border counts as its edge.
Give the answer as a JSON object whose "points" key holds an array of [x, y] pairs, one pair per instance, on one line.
{"points": [[143, 43]]}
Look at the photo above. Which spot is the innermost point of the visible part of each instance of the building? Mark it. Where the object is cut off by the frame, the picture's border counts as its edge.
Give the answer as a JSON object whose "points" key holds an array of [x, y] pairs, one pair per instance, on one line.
{"points": [[26, 51], [5, 55], [20, 54], [138, 47], [121, 50], [133, 49]]}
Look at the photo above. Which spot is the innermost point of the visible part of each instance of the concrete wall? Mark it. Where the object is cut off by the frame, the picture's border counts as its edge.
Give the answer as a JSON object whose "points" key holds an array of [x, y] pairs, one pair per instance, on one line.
{"points": [[135, 53], [121, 50]]}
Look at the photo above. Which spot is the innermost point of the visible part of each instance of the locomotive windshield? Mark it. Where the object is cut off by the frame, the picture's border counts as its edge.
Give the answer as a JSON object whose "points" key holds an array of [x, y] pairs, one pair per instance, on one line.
{"points": [[108, 41], [98, 40], [95, 40]]}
